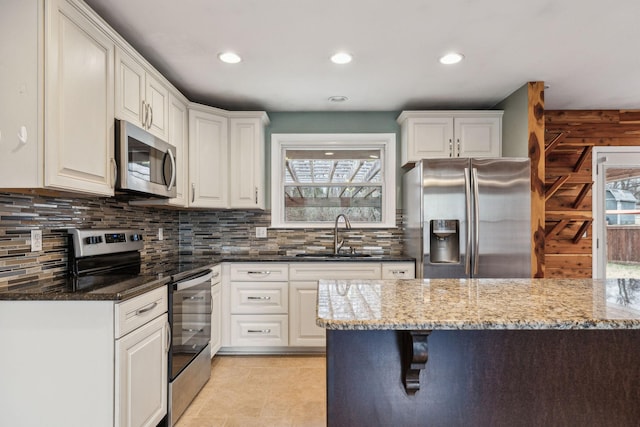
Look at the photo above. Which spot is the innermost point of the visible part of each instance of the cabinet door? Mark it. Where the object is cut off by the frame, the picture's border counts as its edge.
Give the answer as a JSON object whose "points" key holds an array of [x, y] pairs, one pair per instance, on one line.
{"points": [[157, 96], [303, 330], [428, 137], [216, 319], [208, 160], [130, 89], [141, 375], [178, 137], [79, 113], [246, 150], [478, 136]]}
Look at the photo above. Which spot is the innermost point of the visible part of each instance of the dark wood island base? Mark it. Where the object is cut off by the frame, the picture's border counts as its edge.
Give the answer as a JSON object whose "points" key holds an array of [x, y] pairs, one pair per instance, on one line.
{"points": [[486, 378]]}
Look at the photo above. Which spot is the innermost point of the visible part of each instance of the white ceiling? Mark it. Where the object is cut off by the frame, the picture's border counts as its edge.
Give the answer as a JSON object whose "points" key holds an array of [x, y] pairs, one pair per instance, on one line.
{"points": [[585, 50]]}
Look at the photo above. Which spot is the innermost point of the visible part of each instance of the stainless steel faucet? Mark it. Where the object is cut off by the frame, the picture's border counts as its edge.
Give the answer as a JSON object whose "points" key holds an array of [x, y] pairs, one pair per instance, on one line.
{"points": [[338, 245]]}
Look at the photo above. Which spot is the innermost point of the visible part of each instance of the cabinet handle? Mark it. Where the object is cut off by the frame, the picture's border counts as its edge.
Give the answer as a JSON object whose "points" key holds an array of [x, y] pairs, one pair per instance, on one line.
{"points": [[151, 117], [450, 147], [114, 172], [259, 331], [193, 192], [168, 337], [216, 274], [259, 298], [146, 308], [458, 140], [266, 272], [192, 330], [145, 114], [398, 272], [256, 195]]}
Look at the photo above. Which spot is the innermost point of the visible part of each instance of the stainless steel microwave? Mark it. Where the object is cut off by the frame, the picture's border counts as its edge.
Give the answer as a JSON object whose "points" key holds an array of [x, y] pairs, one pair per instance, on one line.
{"points": [[146, 164]]}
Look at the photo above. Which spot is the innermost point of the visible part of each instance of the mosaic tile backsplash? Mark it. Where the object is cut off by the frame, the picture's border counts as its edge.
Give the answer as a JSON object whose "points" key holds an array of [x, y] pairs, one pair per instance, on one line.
{"points": [[233, 232], [191, 232], [19, 214]]}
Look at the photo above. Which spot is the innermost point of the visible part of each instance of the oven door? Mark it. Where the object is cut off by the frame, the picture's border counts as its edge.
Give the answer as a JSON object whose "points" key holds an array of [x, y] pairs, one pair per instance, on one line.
{"points": [[190, 320]]}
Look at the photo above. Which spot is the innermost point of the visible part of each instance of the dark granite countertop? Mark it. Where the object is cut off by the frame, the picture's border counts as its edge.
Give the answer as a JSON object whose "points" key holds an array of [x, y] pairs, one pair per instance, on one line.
{"points": [[154, 273]]}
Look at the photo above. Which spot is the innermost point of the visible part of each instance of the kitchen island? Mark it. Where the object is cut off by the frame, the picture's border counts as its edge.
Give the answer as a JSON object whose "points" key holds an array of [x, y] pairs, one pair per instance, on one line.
{"points": [[482, 352]]}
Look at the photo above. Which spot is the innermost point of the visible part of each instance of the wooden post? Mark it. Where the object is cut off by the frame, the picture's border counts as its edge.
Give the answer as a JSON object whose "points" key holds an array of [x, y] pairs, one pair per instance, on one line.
{"points": [[536, 154]]}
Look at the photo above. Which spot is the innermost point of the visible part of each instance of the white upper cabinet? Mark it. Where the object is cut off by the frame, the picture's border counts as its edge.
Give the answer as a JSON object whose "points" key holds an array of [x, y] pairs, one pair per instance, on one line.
{"points": [[247, 157], [57, 113], [208, 157], [226, 158], [140, 97], [432, 134]]}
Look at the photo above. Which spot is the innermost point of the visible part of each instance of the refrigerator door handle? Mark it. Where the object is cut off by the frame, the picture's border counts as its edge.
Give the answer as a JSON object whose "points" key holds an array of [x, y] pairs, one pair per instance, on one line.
{"points": [[476, 223], [467, 193]]}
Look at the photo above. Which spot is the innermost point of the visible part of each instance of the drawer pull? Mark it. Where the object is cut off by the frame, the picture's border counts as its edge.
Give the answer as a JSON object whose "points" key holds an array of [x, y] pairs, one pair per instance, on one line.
{"points": [[215, 274], [259, 298], [194, 298], [192, 330], [259, 331], [146, 308], [398, 272], [266, 272]]}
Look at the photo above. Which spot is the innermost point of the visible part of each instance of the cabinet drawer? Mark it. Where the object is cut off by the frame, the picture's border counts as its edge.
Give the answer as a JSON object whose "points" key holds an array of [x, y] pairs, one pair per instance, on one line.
{"points": [[398, 270], [259, 298], [329, 270], [264, 331], [137, 311], [263, 272]]}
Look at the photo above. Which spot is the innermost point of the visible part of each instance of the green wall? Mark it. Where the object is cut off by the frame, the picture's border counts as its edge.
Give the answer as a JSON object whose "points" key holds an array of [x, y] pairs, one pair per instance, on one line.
{"points": [[333, 122], [515, 123]]}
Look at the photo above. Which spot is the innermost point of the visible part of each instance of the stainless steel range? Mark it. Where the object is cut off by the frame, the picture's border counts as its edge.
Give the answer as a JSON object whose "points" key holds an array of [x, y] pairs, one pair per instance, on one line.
{"points": [[111, 257]]}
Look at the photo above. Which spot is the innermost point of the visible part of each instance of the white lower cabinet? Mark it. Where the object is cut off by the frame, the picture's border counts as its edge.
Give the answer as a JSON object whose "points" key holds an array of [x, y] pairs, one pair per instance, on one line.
{"points": [[271, 307], [141, 359], [216, 310], [105, 363], [141, 375], [303, 330], [266, 330]]}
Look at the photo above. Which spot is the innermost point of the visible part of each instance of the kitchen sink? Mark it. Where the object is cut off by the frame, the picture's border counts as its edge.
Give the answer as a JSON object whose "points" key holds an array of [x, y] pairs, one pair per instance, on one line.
{"points": [[332, 255]]}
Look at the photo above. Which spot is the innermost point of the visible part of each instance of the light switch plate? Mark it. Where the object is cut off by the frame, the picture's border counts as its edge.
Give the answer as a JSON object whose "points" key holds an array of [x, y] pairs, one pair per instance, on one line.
{"points": [[261, 232], [160, 234], [36, 240]]}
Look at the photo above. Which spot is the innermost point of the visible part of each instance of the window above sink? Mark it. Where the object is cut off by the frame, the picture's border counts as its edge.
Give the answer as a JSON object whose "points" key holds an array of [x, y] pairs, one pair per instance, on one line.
{"points": [[315, 177]]}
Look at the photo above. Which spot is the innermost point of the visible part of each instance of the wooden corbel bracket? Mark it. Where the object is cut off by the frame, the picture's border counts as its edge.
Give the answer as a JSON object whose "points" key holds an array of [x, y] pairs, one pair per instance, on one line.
{"points": [[415, 356]]}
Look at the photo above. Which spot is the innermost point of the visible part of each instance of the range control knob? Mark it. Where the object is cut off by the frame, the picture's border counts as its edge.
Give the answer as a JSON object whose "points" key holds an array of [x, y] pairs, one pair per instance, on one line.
{"points": [[136, 237], [92, 240]]}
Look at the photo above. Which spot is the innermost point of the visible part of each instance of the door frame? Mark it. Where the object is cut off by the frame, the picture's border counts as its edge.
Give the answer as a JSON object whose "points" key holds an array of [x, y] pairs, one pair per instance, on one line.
{"points": [[611, 156]]}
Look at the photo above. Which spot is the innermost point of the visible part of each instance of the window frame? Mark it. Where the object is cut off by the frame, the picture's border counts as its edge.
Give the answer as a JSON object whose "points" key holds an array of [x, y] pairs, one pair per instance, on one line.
{"points": [[386, 142]]}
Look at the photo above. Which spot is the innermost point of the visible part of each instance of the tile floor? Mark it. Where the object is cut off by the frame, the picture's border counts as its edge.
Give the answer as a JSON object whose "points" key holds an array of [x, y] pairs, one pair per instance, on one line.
{"points": [[287, 391]]}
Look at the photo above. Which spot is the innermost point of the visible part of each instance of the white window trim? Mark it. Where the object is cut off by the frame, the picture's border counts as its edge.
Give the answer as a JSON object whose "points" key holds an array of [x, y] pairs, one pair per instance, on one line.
{"points": [[384, 141]]}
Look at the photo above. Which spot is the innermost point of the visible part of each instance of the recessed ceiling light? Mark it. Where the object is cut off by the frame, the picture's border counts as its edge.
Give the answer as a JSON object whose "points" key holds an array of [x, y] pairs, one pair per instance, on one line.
{"points": [[338, 98], [451, 58], [341, 58], [229, 57]]}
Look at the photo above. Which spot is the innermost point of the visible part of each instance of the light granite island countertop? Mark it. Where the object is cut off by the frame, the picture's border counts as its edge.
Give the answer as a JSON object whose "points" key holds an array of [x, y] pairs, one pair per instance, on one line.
{"points": [[432, 304], [482, 352]]}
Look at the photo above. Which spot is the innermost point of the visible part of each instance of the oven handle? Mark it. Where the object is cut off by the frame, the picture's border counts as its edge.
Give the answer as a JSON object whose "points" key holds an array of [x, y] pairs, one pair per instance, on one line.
{"points": [[186, 284]]}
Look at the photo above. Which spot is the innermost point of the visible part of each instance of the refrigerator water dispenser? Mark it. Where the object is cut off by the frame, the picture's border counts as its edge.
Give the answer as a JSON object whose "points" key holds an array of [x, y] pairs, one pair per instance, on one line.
{"points": [[444, 241]]}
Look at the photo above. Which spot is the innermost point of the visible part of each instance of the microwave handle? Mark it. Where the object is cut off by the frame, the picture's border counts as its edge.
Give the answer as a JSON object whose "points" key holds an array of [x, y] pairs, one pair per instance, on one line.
{"points": [[173, 170]]}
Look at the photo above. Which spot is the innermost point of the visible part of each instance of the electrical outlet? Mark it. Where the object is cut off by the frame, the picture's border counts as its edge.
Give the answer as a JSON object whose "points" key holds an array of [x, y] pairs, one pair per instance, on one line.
{"points": [[261, 232], [160, 234], [36, 240]]}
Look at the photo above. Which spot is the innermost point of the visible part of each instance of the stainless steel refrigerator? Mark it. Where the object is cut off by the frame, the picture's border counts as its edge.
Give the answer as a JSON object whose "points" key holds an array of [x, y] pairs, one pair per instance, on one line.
{"points": [[468, 217]]}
